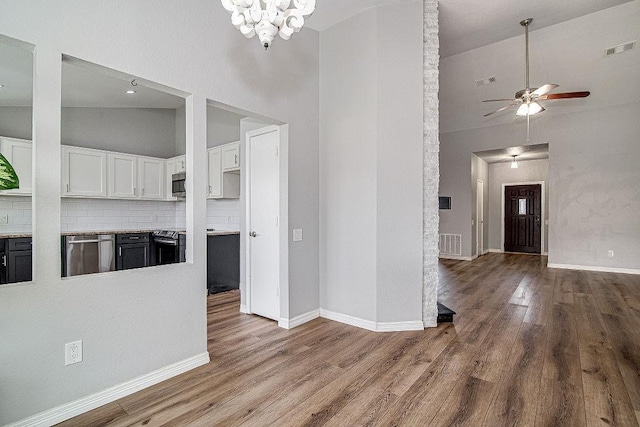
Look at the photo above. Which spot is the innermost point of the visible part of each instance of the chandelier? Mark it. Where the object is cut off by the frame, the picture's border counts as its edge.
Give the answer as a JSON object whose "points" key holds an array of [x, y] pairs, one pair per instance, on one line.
{"points": [[269, 17]]}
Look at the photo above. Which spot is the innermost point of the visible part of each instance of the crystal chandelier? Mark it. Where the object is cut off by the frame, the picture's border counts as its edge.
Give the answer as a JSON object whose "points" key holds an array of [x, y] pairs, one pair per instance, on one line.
{"points": [[269, 17]]}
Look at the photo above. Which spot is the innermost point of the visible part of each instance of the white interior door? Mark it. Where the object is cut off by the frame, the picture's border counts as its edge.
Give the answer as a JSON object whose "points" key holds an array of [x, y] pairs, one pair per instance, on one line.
{"points": [[263, 224], [480, 218]]}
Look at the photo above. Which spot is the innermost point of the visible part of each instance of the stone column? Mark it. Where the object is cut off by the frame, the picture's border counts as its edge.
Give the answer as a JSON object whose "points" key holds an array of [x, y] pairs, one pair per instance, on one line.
{"points": [[431, 171]]}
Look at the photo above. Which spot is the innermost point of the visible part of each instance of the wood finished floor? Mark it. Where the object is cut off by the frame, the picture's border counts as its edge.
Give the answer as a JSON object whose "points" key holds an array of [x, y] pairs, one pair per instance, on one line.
{"points": [[530, 346]]}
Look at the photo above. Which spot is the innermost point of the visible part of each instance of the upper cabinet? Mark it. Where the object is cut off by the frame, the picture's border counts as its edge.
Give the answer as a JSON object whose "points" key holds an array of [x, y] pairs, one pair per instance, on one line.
{"points": [[231, 157], [151, 178], [224, 171], [18, 153], [84, 172], [123, 178]]}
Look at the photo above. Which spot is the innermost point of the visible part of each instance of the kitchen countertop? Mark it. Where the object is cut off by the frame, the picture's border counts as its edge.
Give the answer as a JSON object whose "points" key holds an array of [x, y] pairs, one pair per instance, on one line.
{"points": [[96, 232]]}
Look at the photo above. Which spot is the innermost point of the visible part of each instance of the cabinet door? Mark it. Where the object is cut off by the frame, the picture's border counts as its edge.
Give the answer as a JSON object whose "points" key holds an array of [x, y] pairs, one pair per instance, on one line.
{"points": [[84, 172], [181, 164], [169, 169], [215, 173], [231, 157], [19, 266], [132, 256], [18, 153], [122, 176], [151, 178]]}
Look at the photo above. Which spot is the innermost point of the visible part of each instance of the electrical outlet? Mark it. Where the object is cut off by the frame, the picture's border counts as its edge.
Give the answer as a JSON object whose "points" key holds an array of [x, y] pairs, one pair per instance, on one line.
{"points": [[229, 219], [154, 218], [4, 219], [73, 352], [297, 234], [610, 253]]}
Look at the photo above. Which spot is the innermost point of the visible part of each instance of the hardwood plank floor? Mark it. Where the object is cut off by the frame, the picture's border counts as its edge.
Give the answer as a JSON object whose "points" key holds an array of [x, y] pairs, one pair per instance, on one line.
{"points": [[530, 346]]}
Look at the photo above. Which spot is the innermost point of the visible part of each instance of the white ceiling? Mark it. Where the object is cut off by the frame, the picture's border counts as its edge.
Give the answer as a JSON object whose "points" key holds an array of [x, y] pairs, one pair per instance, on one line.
{"points": [[469, 24], [464, 25]]}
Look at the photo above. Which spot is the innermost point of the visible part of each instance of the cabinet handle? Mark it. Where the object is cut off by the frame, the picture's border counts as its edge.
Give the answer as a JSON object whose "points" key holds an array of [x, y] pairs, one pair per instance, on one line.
{"points": [[135, 191], [119, 250], [67, 188], [134, 237], [142, 192], [4, 260], [209, 189], [145, 257], [236, 160]]}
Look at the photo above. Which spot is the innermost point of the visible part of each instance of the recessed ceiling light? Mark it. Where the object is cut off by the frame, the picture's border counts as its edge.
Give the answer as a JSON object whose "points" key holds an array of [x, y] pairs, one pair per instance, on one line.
{"points": [[130, 92], [1, 86]]}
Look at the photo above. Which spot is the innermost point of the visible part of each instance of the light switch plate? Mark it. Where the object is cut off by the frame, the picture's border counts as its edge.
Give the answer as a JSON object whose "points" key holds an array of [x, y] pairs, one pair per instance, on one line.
{"points": [[4, 219], [297, 234]]}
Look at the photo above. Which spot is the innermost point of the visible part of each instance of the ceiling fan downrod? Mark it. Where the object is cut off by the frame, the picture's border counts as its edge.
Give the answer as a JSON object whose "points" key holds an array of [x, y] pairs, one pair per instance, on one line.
{"points": [[525, 23]]}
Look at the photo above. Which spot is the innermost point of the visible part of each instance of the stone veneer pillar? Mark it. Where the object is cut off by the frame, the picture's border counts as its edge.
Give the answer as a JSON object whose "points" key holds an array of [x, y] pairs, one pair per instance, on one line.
{"points": [[431, 165]]}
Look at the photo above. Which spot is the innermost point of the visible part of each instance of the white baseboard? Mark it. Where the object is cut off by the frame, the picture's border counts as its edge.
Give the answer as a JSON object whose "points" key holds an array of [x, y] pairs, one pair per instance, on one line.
{"points": [[595, 268], [244, 309], [298, 320], [87, 403], [370, 325], [459, 258], [497, 251]]}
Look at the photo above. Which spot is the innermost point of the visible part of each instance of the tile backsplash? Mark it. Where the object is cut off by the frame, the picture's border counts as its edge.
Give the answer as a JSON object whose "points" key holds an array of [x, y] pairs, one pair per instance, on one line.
{"points": [[101, 214]]}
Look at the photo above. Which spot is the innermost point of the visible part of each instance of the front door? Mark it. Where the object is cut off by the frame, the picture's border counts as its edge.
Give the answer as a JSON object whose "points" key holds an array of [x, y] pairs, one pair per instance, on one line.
{"points": [[522, 210], [263, 222]]}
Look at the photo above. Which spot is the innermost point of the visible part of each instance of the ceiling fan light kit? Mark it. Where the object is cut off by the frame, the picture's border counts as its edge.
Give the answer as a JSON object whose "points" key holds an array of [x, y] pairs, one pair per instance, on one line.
{"points": [[527, 99], [514, 163], [266, 18]]}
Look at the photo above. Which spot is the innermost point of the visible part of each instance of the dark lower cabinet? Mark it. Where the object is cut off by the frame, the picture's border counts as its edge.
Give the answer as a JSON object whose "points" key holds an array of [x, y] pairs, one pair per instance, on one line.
{"points": [[18, 260], [132, 251], [223, 263]]}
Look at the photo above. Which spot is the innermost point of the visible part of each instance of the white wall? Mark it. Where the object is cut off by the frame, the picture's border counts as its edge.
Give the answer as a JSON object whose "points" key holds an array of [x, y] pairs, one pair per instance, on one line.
{"points": [[134, 322], [399, 163], [592, 183], [15, 122], [371, 165], [348, 168], [142, 131], [501, 173], [222, 126]]}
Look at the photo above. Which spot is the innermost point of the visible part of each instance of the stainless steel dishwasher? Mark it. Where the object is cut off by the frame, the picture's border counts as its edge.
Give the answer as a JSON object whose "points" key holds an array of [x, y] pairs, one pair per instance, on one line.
{"points": [[86, 254]]}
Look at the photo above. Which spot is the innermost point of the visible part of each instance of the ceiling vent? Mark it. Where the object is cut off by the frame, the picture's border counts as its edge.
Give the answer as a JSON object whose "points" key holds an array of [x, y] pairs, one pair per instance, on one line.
{"points": [[486, 81], [620, 48]]}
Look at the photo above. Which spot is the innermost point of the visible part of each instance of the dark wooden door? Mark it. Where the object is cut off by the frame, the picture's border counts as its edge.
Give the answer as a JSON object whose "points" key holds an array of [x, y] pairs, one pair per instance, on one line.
{"points": [[522, 222]]}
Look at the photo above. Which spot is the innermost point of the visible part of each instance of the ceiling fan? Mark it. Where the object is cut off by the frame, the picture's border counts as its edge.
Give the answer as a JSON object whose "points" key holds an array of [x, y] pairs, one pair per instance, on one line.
{"points": [[527, 100]]}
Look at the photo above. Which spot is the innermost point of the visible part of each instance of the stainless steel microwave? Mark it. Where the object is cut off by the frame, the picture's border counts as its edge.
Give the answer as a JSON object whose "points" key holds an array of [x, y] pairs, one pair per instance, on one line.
{"points": [[177, 185]]}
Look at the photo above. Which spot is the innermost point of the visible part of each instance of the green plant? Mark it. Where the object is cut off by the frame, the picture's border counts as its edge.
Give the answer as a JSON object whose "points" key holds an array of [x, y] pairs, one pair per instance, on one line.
{"points": [[8, 177]]}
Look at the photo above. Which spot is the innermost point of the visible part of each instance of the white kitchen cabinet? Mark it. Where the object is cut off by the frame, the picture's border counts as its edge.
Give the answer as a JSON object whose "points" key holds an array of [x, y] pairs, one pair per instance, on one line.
{"points": [[230, 156], [215, 173], [123, 180], [173, 165], [84, 172], [150, 178], [18, 153], [222, 184]]}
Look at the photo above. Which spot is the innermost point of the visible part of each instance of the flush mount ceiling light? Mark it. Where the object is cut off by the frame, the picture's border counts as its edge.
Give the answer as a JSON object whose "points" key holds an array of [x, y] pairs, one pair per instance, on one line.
{"points": [[130, 92], [269, 17], [514, 163]]}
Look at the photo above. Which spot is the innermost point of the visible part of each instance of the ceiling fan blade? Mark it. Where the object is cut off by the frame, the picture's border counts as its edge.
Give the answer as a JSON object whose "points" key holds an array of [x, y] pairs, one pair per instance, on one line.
{"points": [[502, 100], [544, 89], [513, 104], [566, 95]]}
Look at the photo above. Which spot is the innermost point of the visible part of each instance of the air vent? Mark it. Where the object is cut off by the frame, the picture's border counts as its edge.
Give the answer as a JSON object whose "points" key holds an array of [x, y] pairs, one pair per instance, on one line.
{"points": [[450, 244], [486, 81], [620, 48]]}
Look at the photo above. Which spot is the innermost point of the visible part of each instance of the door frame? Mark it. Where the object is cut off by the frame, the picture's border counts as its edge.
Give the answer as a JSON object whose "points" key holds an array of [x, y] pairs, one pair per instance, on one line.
{"points": [[542, 206], [479, 211], [283, 241]]}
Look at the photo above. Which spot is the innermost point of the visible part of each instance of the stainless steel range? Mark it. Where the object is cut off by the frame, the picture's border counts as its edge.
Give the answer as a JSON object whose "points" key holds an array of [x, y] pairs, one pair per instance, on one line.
{"points": [[167, 246]]}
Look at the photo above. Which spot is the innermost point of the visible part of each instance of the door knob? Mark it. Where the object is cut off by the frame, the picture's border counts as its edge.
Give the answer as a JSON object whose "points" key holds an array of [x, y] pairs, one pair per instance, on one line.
{"points": [[253, 234]]}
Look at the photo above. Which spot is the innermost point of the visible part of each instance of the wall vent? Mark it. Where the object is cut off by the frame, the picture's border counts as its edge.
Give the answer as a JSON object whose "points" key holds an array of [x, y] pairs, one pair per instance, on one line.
{"points": [[451, 244], [486, 81], [620, 48]]}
